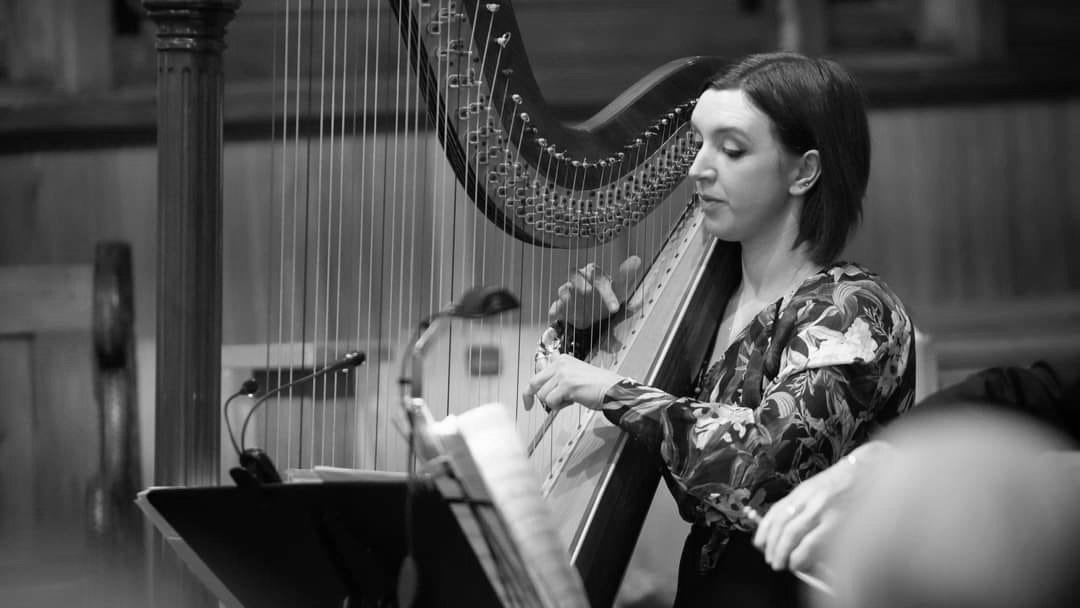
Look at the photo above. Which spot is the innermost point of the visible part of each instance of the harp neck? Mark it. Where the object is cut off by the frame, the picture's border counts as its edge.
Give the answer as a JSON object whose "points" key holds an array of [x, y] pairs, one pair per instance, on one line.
{"points": [[543, 180]]}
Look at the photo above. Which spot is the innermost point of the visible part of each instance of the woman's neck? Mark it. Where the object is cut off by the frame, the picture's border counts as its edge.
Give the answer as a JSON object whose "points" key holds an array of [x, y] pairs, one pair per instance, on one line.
{"points": [[772, 266]]}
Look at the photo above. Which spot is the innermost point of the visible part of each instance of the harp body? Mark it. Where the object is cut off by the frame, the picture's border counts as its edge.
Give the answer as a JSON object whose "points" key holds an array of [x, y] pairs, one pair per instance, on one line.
{"points": [[543, 191]]}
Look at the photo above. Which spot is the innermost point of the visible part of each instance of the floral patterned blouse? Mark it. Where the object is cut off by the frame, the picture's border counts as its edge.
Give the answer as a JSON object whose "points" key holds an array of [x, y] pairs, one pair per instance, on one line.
{"points": [[803, 384]]}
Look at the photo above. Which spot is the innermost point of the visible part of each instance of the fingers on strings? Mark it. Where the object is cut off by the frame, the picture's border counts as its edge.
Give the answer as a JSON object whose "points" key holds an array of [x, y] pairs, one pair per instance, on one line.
{"points": [[534, 390], [588, 283]]}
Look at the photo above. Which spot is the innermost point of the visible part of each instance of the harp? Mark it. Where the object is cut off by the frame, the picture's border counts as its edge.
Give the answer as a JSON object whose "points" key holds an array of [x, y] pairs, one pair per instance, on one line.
{"points": [[454, 147]]}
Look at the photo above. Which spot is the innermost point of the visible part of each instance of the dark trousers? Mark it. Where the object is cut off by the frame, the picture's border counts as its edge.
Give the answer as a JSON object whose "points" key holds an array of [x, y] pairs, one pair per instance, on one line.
{"points": [[740, 579]]}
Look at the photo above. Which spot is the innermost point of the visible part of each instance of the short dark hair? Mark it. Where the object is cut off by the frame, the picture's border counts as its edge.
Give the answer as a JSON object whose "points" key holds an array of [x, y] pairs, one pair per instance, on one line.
{"points": [[814, 104]]}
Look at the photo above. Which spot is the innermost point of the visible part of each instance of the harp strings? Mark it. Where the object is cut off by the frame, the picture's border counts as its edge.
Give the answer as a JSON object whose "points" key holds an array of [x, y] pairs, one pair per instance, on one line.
{"points": [[323, 212], [355, 198], [274, 170]]}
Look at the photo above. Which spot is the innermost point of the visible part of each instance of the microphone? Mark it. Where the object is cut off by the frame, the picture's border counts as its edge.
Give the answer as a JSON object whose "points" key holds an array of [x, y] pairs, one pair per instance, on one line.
{"points": [[255, 465], [248, 388], [481, 302], [477, 303]]}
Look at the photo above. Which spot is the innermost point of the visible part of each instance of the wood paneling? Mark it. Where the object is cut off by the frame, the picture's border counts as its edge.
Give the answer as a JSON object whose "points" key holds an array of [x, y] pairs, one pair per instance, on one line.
{"points": [[16, 448], [59, 45], [558, 33], [49, 446], [621, 42], [47, 297], [968, 203]]}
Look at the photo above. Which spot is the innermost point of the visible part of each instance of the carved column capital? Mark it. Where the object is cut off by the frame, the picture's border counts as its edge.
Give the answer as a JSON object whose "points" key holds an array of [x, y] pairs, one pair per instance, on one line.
{"points": [[191, 25]]}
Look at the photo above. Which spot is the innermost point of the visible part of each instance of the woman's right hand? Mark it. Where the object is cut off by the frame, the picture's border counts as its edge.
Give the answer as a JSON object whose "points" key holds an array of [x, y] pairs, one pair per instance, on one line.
{"points": [[590, 295]]}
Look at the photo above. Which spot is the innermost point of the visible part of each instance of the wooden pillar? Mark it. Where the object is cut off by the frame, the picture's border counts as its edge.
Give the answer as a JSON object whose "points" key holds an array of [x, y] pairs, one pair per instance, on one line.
{"points": [[190, 45], [190, 88], [802, 26]]}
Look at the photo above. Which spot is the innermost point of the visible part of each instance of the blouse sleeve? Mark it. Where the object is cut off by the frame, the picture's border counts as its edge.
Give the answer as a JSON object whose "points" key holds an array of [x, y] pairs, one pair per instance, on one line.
{"points": [[835, 375]]}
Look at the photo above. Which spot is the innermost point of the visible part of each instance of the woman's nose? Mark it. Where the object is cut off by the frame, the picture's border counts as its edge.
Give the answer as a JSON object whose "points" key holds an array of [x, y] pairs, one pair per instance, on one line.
{"points": [[699, 169]]}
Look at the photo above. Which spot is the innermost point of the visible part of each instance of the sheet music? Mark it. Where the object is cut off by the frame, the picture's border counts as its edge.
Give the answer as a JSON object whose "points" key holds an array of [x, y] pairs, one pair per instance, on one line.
{"points": [[488, 459], [328, 473]]}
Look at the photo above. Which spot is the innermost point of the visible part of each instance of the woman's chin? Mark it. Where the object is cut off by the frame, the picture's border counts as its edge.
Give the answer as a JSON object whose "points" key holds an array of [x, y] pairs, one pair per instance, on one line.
{"points": [[718, 228]]}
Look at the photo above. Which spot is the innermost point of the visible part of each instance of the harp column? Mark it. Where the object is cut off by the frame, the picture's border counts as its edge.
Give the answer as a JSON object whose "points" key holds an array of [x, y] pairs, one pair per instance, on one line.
{"points": [[190, 46]]}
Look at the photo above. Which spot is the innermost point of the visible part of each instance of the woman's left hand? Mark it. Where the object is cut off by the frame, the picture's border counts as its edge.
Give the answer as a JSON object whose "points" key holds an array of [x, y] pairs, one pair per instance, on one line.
{"points": [[565, 380]]}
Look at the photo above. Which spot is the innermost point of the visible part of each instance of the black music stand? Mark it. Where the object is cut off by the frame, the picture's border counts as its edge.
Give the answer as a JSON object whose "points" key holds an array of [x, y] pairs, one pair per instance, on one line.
{"points": [[315, 544]]}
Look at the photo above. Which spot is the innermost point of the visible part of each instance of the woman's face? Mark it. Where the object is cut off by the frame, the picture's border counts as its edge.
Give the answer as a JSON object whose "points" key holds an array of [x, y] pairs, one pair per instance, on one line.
{"points": [[741, 172]]}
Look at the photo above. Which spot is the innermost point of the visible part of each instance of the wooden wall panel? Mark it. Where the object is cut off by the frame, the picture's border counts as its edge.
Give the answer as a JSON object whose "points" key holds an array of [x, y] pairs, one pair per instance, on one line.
{"points": [[987, 201], [1070, 191], [16, 448], [56, 206], [557, 33], [973, 202], [49, 446], [66, 431]]}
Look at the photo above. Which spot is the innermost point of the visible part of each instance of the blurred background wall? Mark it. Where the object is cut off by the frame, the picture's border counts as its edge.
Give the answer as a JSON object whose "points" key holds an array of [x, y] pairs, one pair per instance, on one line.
{"points": [[972, 212]]}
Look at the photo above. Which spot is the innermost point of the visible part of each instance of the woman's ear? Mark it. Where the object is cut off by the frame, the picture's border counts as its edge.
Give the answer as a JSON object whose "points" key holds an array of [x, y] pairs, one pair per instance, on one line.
{"points": [[806, 172]]}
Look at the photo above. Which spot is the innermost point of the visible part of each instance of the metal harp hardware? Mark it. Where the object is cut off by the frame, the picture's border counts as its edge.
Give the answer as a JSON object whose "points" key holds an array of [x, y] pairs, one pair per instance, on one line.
{"points": [[545, 181]]}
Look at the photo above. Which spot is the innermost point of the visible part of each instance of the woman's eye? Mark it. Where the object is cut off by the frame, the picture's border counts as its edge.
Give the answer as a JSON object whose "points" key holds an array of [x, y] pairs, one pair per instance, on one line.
{"points": [[733, 152]]}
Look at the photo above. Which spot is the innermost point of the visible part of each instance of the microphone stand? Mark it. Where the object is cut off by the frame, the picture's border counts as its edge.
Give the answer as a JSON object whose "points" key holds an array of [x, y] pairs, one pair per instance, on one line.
{"points": [[255, 465], [418, 417], [475, 304], [411, 383]]}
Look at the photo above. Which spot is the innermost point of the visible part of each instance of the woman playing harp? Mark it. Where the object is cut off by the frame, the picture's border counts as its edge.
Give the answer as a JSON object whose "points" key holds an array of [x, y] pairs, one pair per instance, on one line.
{"points": [[812, 354]]}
